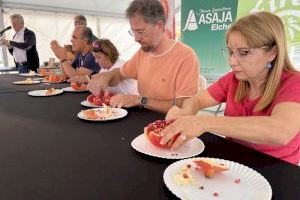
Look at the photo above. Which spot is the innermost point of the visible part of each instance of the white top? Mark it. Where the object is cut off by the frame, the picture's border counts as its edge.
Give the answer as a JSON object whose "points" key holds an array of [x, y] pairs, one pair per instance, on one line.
{"points": [[19, 54], [127, 86]]}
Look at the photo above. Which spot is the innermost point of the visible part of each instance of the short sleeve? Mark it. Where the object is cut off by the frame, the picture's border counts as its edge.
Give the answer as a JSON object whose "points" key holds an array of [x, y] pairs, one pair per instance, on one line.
{"points": [[290, 90], [219, 90], [129, 69], [187, 80], [75, 63], [90, 63]]}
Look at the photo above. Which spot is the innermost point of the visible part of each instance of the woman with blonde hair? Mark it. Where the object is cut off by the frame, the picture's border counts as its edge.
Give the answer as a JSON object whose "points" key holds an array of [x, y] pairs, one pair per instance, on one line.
{"points": [[262, 93]]}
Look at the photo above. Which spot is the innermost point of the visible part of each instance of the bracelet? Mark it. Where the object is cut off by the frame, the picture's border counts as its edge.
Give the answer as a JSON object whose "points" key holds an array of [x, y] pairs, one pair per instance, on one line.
{"points": [[63, 60]]}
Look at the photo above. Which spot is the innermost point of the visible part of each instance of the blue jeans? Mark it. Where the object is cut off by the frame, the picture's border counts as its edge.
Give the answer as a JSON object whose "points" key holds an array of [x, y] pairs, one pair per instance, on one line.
{"points": [[22, 68]]}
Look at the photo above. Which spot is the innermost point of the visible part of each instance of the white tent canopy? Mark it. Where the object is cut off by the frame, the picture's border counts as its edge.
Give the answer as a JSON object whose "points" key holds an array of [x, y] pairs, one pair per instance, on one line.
{"points": [[111, 8], [53, 19]]}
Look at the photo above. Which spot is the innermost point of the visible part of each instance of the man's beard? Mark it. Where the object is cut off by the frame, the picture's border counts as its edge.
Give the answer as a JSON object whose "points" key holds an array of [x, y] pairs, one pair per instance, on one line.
{"points": [[147, 47], [151, 47]]}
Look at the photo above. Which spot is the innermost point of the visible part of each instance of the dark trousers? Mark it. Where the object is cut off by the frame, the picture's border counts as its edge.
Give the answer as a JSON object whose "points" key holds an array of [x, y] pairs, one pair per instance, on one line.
{"points": [[22, 68]]}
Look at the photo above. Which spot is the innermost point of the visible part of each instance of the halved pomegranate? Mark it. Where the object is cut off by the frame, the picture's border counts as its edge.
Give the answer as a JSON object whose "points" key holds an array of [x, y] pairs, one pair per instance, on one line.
{"points": [[100, 99], [153, 130], [78, 86]]}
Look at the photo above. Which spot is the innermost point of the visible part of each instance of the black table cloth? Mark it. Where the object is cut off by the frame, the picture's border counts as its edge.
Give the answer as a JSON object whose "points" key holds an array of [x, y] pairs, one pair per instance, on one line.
{"points": [[7, 85], [46, 152]]}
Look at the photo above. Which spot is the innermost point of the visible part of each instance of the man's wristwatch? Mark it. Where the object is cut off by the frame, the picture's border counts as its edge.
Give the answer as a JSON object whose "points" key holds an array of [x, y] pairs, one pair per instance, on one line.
{"points": [[144, 101]]}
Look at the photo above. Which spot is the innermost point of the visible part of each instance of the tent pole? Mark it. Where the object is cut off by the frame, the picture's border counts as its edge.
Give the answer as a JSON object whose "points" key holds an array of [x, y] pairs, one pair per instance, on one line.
{"points": [[4, 51]]}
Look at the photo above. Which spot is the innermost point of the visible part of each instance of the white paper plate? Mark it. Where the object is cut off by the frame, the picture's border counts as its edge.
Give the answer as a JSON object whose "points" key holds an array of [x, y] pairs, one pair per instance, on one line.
{"points": [[89, 105], [38, 79], [26, 83], [70, 89], [190, 149], [27, 74], [118, 113], [45, 81], [252, 184], [42, 93]]}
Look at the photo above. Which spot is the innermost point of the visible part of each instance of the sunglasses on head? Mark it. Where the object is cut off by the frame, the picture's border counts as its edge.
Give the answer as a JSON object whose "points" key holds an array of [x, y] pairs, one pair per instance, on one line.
{"points": [[97, 47]]}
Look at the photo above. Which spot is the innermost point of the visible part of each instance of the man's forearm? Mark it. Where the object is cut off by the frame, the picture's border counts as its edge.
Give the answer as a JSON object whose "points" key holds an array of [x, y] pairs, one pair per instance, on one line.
{"points": [[115, 77], [68, 69], [163, 106]]}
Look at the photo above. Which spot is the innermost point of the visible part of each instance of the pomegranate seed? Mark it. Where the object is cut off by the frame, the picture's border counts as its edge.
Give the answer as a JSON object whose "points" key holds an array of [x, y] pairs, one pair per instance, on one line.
{"points": [[185, 175], [237, 181]]}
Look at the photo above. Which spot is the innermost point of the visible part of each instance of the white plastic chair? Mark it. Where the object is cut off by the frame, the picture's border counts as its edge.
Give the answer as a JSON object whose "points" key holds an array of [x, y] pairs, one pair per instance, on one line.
{"points": [[218, 109], [202, 83], [203, 86]]}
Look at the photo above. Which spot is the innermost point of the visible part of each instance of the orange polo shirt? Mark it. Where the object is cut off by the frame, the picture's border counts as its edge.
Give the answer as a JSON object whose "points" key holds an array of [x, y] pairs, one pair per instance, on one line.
{"points": [[172, 74]]}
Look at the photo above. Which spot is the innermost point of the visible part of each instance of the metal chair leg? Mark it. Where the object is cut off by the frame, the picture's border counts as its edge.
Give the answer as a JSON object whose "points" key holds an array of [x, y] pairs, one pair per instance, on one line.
{"points": [[218, 109]]}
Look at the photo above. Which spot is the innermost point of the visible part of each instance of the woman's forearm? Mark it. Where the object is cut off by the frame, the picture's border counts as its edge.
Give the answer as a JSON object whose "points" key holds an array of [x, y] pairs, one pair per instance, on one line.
{"points": [[255, 129]]}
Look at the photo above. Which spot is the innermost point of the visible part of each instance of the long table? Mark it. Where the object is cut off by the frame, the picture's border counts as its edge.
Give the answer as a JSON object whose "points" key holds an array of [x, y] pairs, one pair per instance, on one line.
{"points": [[46, 152], [7, 85]]}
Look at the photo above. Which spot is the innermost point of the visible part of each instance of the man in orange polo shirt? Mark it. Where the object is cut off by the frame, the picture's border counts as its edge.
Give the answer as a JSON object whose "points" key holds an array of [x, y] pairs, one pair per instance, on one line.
{"points": [[167, 72]]}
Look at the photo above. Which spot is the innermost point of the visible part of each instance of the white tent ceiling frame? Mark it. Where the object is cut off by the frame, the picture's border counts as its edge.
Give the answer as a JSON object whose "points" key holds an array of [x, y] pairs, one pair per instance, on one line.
{"points": [[112, 21], [61, 9], [105, 17]]}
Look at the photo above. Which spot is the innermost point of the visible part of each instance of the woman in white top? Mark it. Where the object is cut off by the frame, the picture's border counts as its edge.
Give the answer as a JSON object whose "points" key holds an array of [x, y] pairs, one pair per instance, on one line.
{"points": [[107, 57]]}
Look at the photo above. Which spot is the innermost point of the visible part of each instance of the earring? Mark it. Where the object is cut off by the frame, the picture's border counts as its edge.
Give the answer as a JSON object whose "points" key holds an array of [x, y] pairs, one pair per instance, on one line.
{"points": [[269, 65]]}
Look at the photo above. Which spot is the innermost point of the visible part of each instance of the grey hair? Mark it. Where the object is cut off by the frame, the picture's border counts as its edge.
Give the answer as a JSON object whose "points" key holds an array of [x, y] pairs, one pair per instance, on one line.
{"points": [[81, 19], [151, 10], [17, 17], [86, 33]]}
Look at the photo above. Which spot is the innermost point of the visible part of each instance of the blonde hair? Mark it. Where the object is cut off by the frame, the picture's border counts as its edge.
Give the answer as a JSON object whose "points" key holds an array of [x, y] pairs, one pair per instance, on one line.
{"points": [[263, 29]]}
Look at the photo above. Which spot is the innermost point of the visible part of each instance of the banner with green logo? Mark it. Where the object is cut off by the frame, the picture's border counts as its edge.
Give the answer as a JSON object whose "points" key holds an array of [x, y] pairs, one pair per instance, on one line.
{"points": [[288, 11], [204, 25]]}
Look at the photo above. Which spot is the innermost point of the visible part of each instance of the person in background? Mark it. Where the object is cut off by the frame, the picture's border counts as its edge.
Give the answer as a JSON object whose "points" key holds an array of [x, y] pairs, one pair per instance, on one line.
{"points": [[262, 93], [80, 20], [166, 71], [23, 46], [107, 56], [84, 62]]}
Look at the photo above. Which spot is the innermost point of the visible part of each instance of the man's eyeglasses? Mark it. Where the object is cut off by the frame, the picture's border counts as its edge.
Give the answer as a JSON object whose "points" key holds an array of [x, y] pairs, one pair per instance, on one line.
{"points": [[139, 33], [97, 47], [240, 54], [76, 38]]}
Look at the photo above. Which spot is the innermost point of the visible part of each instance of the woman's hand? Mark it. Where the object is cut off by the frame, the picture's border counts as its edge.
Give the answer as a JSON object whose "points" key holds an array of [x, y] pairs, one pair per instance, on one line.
{"points": [[188, 127], [174, 113]]}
